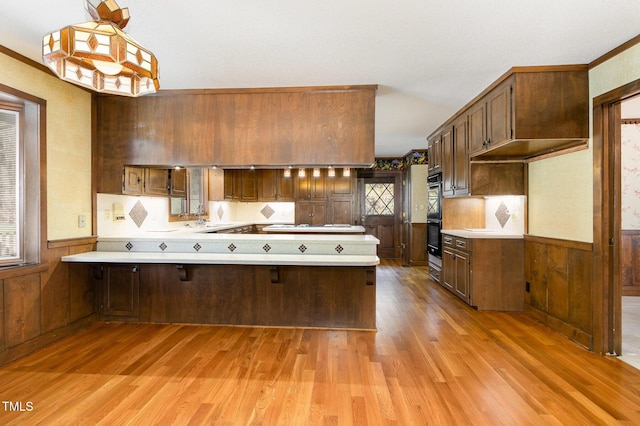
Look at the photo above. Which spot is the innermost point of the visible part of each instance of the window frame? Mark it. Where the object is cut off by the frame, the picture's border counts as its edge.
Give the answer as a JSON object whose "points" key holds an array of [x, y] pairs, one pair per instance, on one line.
{"points": [[32, 175], [18, 110]]}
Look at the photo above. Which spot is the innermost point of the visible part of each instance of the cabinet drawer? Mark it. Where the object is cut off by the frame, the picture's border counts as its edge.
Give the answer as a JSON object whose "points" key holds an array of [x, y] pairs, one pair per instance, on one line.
{"points": [[434, 272], [458, 243], [461, 243]]}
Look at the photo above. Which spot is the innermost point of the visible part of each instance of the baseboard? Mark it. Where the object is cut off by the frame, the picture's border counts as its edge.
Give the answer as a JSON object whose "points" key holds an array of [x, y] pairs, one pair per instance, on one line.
{"points": [[37, 343]]}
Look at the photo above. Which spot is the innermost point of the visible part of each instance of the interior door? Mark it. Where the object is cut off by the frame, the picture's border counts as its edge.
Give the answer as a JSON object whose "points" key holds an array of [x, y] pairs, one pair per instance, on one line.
{"points": [[380, 210]]}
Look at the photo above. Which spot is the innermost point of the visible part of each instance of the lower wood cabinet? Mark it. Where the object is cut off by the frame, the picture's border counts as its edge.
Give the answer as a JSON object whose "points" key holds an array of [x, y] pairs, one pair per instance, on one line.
{"points": [[120, 292], [455, 263], [298, 296], [487, 273], [311, 212]]}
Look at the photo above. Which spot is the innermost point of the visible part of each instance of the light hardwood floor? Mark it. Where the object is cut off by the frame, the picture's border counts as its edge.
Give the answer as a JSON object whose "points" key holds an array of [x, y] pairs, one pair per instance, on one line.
{"points": [[631, 330], [433, 360]]}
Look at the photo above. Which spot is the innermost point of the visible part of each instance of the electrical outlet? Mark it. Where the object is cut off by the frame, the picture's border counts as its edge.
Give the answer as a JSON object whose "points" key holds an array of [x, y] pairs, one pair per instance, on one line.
{"points": [[107, 214], [82, 221]]}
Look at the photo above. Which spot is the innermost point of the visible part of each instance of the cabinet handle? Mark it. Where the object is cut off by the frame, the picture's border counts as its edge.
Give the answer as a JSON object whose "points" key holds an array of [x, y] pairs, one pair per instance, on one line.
{"points": [[134, 269]]}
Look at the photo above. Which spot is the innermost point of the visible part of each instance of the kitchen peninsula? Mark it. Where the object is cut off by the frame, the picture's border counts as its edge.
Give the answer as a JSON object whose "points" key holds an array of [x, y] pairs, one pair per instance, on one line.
{"points": [[200, 276]]}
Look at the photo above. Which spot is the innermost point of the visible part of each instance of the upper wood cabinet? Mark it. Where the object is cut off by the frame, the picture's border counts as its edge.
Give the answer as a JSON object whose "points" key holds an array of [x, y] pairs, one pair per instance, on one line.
{"points": [[156, 181], [434, 153], [145, 181], [312, 188], [241, 185], [179, 182], [273, 185], [132, 180], [530, 111], [455, 159]]}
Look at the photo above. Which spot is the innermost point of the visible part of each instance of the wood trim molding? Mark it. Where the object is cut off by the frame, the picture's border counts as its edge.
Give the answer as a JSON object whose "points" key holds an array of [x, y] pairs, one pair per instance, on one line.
{"points": [[576, 245], [295, 89], [25, 60], [30, 346], [70, 242]]}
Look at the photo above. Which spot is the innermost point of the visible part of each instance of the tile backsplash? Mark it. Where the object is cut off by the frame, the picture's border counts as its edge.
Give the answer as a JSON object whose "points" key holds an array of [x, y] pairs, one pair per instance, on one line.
{"points": [[505, 213], [152, 213]]}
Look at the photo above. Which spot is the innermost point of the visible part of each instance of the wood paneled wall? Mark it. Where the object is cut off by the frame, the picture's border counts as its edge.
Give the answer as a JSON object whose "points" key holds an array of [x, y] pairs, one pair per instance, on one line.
{"points": [[630, 263], [559, 286], [44, 303]]}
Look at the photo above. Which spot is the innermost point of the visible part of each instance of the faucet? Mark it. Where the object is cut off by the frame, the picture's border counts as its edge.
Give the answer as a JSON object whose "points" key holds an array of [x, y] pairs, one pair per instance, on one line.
{"points": [[200, 221]]}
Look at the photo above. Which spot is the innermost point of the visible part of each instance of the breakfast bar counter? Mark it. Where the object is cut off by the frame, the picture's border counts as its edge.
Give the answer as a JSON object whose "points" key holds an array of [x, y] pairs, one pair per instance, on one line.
{"points": [[198, 277]]}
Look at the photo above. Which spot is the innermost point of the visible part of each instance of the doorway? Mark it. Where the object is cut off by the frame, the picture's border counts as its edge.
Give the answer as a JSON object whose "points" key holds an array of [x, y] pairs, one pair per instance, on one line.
{"points": [[380, 207], [630, 230], [608, 220]]}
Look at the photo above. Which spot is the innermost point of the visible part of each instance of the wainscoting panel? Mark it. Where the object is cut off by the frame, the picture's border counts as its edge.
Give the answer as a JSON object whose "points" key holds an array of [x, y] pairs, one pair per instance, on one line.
{"points": [[559, 286]]}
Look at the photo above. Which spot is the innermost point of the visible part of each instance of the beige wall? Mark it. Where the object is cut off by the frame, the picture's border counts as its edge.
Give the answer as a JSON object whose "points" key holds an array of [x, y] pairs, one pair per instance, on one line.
{"points": [[561, 188], [68, 145]]}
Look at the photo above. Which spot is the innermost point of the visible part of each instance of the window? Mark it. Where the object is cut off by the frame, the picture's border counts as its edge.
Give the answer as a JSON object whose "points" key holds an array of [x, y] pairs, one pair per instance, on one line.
{"points": [[21, 130], [379, 199], [11, 247]]}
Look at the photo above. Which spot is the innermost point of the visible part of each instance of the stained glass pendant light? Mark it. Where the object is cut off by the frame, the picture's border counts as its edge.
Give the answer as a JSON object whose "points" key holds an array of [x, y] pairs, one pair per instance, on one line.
{"points": [[100, 56]]}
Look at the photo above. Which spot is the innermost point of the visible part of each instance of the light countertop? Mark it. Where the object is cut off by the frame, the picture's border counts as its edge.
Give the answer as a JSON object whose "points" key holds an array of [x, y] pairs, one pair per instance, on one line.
{"points": [[320, 229], [222, 259], [481, 233]]}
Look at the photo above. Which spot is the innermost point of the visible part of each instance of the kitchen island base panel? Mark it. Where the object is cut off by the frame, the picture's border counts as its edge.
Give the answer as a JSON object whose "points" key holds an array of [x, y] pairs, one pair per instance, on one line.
{"points": [[288, 296]]}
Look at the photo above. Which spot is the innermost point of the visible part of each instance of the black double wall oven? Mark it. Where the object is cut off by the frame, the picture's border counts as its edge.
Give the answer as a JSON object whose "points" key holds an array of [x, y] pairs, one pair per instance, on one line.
{"points": [[434, 215]]}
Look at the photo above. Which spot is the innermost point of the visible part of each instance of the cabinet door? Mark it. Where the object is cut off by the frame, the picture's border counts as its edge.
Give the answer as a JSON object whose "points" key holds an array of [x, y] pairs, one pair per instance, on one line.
{"points": [[156, 181], [267, 184], [477, 119], [311, 213], [179, 182], [120, 293], [460, 157], [341, 210], [341, 186], [434, 149], [312, 188], [231, 184], [286, 187], [448, 184], [448, 269], [249, 186], [461, 267], [499, 115], [132, 180]]}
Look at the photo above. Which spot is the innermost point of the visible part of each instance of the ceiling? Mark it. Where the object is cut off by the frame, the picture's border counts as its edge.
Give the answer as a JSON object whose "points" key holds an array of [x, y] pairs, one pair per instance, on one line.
{"points": [[428, 57]]}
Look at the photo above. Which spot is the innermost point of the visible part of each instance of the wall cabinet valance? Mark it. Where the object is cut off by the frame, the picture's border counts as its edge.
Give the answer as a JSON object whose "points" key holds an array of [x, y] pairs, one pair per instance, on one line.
{"points": [[235, 128]]}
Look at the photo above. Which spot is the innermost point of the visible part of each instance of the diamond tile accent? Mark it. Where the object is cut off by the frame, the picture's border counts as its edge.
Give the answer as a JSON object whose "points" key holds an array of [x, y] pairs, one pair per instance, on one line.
{"points": [[339, 248], [267, 211], [129, 246], [163, 246], [138, 213], [197, 247], [502, 214], [220, 212], [232, 247], [266, 247], [302, 248]]}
